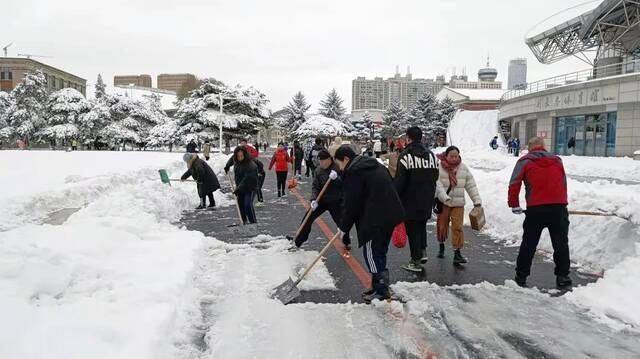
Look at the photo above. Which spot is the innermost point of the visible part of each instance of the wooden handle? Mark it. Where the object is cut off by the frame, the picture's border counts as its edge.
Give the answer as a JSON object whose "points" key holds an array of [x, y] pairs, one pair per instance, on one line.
{"points": [[237, 202], [306, 218], [306, 271], [179, 180], [586, 213]]}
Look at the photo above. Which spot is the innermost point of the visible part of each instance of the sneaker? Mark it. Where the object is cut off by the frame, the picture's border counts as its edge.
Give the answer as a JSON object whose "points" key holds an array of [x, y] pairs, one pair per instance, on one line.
{"points": [[200, 207], [413, 267], [563, 281], [441, 251], [260, 204], [368, 292], [458, 258], [521, 281], [424, 258], [293, 248], [375, 295]]}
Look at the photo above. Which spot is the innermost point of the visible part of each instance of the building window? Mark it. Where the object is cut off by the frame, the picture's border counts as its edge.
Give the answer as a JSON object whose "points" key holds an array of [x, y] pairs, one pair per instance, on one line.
{"points": [[6, 73], [589, 135]]}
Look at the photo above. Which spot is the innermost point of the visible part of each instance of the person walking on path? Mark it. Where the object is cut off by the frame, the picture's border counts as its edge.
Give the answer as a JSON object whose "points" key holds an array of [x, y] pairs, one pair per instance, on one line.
{"points": [[331, 200], [545, 183], [372, 204], [246, 178], [204, 176], [415, 183], [494, 143], [313, 161], [298, 156], [281, 161], [206, 150], [455, 178], [515, 144], [192, 146]]}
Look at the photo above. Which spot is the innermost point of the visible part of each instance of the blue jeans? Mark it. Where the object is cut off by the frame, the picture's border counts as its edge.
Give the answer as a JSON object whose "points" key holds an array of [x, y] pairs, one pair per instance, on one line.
{"points": [[247, 212]]}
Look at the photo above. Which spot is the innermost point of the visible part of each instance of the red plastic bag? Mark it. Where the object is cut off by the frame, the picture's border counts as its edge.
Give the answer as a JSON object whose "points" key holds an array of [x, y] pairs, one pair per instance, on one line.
{"points": [[399, 236]]}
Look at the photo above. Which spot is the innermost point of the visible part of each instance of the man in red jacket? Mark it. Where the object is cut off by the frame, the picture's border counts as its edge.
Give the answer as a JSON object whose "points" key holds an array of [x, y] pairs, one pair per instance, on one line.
{"points": [[546, 194]]}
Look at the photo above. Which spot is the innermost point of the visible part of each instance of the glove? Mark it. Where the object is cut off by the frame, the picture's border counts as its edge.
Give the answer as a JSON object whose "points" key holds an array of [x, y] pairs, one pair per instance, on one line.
{"points": [[235, 192], [477, 205], [340, 234], [314, 205], [333, 175], [226, 170], [517, 210]]}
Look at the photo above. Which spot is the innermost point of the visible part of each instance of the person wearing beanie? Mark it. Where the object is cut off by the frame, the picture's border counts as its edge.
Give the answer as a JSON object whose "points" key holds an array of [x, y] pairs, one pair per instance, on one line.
{"points": [[415, 180], [331, 199], [372, 204], [204, 176]]}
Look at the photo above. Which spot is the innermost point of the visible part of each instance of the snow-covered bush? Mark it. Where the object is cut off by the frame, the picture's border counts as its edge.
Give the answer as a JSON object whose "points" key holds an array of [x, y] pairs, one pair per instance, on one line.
{"points": [[64, 115]]}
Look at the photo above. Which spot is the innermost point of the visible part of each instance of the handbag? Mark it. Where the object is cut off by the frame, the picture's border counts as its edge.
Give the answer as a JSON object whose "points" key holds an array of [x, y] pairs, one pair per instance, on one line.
{"points": [[399, 236], [437, 204], [477, 218]]}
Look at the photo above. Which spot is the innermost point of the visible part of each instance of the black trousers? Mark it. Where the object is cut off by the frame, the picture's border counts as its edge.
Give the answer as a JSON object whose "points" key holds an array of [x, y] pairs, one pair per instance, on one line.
{"points": [[212, 201], [375, 250], [298, 168], [417, 233], [335, 211], [556, 219], [259, 190], [310, 168], [281, 182], [247, 212]]}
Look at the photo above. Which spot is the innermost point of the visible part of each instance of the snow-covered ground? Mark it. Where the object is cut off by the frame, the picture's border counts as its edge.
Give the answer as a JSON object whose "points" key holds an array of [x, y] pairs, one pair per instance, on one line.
{"points": [[610, 185]]}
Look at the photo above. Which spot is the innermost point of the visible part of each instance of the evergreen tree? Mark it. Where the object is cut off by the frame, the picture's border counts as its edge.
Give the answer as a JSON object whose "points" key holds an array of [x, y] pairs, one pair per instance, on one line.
{"points": [[64, 112], [438, 128], [25, 115], [332, 106], [363, 128], [296, 112], [5, 103], [100, 88], [424, 112], [394, 120]]}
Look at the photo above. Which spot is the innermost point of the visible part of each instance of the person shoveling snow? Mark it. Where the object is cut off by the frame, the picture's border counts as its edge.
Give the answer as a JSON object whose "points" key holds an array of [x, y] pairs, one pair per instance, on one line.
{"points": [[204, 176]]}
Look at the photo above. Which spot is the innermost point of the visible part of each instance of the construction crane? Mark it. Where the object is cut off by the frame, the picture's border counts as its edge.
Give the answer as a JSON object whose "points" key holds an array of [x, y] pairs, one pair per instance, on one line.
{"points": [[32, 55], [5, 49]]}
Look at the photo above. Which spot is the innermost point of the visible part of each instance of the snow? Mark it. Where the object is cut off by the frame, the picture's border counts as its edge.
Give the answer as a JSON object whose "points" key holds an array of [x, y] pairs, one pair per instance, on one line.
{"points": [[320, 126], [168, 99], [480, 94]]}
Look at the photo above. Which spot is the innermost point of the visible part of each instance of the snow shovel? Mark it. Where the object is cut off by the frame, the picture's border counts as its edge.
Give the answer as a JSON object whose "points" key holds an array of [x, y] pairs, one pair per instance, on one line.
{"points": [[308, 215], [288, 291], [241, 229], [164, 177], [598, 214]]}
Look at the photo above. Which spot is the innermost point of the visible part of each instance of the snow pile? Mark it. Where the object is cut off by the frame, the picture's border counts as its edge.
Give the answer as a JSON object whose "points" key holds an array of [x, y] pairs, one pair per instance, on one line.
{"points": [[473, 130]]}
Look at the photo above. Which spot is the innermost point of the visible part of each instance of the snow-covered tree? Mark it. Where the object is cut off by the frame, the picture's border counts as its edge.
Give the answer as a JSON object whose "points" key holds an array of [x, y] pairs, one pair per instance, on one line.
{"points": [[332, 106], [24, 116], [424, 112], [5, 103], [296, 110], [100, 88], [244, 109], [437, 128], [394, 120], [319, 126], [64, 112], [363, 128], [164, 134], [94, 121]]}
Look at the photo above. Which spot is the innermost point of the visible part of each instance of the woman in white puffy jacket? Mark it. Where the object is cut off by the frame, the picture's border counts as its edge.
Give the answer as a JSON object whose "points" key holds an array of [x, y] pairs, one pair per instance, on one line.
{"points": [[455, 178]]}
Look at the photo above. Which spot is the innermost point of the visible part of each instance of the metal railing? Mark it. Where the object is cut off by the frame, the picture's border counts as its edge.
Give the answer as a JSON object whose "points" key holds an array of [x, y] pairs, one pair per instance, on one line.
{"points": [[596, 72]]}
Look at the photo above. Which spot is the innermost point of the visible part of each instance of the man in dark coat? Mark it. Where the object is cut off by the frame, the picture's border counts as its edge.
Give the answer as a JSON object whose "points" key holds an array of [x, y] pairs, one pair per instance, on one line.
{"points": [[192, 146], [297, 153], [204, 176], [415, 181], [372, 204], [331, 199], [246, 178], [261, 176]]}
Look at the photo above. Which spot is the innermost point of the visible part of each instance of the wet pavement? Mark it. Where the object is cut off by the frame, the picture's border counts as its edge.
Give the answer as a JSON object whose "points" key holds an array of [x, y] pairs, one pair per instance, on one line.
{"points": [[488, 260]]}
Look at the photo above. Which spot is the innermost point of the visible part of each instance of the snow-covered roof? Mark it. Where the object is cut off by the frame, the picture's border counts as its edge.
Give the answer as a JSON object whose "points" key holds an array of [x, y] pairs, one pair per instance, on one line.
{"points": [[167, 98], [472, 94], [320, 126]]}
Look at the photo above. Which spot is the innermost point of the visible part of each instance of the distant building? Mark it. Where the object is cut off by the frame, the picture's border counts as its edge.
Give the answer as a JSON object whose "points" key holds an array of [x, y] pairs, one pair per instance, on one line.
{"points": [[174, 82], [486, 80], [472, 99], [517, 74], [129, 80], [13, 70], [378, 93]]}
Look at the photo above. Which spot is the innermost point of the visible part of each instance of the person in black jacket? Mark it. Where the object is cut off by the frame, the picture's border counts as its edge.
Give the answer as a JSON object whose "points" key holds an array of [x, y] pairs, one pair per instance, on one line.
{"points": [[415, 181], [204, 176], [192, 146], [297, 153], [246, 178], [372, 204], [312, 160], [261, 176], [331, 199]]}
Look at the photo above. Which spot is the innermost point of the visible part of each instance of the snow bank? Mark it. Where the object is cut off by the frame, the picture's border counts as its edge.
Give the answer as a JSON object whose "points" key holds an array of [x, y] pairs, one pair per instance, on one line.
{"points": [[472, 130]]}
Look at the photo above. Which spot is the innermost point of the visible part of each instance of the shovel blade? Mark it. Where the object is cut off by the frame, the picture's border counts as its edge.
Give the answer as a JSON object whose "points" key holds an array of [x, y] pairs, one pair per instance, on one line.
{"points": [[164, 177], [286, 292]]}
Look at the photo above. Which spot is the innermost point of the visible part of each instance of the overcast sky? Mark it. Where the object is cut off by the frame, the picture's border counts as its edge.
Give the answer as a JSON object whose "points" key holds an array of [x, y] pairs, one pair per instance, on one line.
{"points": [[280, 47]]}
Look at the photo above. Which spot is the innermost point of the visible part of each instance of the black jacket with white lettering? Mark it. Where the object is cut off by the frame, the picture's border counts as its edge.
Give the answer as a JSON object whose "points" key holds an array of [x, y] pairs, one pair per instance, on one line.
{"points": [[415, 181]]}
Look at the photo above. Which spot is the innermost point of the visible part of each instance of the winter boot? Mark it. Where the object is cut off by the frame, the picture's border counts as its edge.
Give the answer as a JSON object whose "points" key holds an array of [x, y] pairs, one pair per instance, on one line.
{"points": [[260, 204], [368, 292], [202, 204], [563, 281], [521, 281], [380, 284], [413, 266], [441, 251], [293, 248], [424, 258], [458, 258]]}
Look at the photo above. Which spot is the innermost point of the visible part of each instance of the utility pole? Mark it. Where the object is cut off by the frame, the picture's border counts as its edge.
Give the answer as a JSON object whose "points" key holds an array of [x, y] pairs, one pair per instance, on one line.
{"points": [[221, 103]]}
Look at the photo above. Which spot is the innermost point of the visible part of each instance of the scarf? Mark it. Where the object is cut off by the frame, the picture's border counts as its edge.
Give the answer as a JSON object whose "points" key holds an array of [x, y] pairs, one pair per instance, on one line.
{"points": [[451, 168]]}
